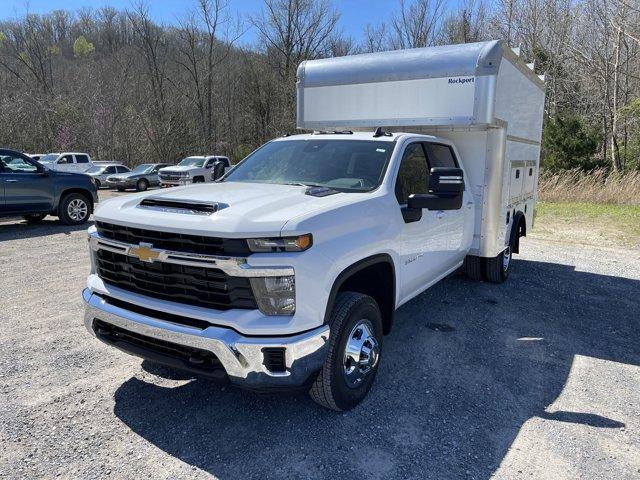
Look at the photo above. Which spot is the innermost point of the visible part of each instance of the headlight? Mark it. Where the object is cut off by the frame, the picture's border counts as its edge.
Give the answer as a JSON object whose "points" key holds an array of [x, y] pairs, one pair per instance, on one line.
{"points": [[275, 295], [281, 244]]}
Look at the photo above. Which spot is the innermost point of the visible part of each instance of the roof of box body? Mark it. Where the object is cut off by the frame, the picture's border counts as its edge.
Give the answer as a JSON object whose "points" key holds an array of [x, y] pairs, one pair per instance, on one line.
{"points": [[482, 58]]}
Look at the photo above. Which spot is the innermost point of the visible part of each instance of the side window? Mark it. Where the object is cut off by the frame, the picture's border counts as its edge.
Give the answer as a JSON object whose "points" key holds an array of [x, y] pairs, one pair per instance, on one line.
{"points": [[67, 159], [82, 159], [210, 162], [440, 155], [413, 176], [110, 170], [122, 169], [15, 164]]}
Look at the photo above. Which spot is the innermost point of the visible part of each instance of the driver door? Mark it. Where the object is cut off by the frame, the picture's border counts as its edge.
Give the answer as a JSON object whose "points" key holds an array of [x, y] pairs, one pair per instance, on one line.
{"points": [[65, 164], [422, 242], [27, 188]]}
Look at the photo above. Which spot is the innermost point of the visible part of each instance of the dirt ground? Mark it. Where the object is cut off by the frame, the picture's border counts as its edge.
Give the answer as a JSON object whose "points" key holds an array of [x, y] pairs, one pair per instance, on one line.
{"points": [[536, 378]]}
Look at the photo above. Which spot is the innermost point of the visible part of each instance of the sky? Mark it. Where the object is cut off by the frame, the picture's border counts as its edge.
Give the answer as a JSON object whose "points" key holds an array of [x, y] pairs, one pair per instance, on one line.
{"points": [[354, 14]]}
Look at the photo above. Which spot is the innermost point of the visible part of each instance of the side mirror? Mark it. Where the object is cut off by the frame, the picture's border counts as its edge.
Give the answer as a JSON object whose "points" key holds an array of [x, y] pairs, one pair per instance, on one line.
{"points": [[44, 171], [446, 186]]}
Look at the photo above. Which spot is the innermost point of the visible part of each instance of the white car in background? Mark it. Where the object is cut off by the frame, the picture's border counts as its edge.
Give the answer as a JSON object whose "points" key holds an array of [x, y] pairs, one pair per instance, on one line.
{"points": [[36, 156], [101, 170], [196, 169], [67, 162]]}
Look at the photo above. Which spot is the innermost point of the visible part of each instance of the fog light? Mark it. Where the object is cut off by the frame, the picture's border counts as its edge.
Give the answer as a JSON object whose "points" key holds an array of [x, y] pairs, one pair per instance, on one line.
{"points": [[275, 295]]}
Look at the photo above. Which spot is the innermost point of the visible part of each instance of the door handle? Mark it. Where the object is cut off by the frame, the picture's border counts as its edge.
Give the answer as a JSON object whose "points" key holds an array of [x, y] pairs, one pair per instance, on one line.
{"points": [[11, 181], [469, 204], [440, 214]]}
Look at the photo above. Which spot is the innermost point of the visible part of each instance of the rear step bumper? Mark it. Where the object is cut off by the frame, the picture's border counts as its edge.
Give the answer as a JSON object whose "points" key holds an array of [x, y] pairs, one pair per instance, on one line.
{"points": [[258, 363]]}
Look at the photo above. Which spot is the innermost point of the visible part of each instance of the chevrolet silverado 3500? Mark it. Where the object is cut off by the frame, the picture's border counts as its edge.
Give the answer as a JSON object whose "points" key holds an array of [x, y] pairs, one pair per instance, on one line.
{"points": [[287, 272]]}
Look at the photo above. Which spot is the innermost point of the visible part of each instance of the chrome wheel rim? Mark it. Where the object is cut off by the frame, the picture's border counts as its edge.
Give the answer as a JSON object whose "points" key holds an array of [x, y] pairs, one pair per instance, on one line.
{"points": [[506, 259], [361, 354], [77, 209]]}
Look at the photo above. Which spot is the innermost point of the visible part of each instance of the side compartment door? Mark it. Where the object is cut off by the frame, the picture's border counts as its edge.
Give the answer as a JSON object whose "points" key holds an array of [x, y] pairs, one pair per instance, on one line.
{"points": [[422, 242], [459, 223]]}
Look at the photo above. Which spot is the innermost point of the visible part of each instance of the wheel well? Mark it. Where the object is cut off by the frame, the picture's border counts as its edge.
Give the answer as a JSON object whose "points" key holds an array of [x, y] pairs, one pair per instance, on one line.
{"points": [[81, 191], [519, 229], [373, 276]]}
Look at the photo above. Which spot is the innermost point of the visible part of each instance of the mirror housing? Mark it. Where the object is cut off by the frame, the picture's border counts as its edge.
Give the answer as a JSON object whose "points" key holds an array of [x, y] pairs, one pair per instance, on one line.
{"points": [[446, 186]]}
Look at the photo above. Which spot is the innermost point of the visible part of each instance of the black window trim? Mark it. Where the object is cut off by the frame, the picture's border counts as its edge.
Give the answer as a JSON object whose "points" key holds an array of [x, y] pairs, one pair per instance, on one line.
{"points": [[424, 152], [453, 153]]}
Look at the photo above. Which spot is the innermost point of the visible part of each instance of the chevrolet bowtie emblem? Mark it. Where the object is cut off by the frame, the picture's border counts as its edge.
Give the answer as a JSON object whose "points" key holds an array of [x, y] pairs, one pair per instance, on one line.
{"points": [[144, 252]]}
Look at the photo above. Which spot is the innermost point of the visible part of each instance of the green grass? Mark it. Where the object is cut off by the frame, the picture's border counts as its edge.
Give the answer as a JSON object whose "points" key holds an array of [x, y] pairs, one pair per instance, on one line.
{"points": [[589, 223]]}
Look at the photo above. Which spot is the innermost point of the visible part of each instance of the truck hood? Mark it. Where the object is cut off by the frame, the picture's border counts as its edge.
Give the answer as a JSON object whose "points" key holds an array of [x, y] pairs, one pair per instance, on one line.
{"points": [[245, 209], [179, 168]]}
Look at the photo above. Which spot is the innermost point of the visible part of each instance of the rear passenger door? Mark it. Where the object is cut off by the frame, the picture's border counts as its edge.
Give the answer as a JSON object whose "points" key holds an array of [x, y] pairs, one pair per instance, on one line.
{"points": [[459, 223], [82, 163]]}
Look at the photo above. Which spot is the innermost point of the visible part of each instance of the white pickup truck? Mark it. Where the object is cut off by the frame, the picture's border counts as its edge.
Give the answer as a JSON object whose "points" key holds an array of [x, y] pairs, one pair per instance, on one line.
{"points": [[196, 169], [286, 274]]}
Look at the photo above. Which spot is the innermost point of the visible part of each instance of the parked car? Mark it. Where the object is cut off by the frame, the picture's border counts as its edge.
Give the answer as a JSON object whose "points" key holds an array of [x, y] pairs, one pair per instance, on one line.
{"points": [[36, 156], [196, 169], [67, 162], [30, 189], [286, 273], [141, 177], [101, 171]]}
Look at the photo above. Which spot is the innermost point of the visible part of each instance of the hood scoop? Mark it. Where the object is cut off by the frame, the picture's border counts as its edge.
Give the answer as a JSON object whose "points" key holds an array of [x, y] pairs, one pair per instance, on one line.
{"points": [[180, 206]]}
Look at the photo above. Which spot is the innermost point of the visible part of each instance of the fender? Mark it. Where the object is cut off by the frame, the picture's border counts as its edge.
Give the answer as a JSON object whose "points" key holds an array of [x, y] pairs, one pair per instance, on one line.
{"points": [[388, 312], [518, 229]]}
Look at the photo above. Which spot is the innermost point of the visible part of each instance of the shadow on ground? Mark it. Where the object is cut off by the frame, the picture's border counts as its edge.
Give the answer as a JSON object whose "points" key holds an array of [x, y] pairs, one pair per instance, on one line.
{"points": [[446, 403], [17, 228]]}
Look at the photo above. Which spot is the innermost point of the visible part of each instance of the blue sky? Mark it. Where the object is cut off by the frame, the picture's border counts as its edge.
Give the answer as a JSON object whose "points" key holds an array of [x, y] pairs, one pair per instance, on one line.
{"points": [[355, 14]]}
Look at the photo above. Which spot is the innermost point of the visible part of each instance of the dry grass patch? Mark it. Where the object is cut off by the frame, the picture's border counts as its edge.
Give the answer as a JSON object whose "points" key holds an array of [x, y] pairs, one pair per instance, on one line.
{"points": [[594, 187], [604, 225]]}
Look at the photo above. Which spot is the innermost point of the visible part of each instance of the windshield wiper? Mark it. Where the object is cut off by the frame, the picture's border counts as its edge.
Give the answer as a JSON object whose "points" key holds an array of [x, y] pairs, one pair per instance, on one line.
{"points": [[300, 184]]}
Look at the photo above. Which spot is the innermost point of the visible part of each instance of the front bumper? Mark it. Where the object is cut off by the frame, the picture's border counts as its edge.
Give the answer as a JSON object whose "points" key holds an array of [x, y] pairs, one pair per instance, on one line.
{"points": [[241, 357], [176, 182]]}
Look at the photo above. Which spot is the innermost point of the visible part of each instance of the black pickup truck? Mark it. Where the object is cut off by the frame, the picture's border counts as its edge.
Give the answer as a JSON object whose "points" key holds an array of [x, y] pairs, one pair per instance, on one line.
{"points": [[29, 189]]}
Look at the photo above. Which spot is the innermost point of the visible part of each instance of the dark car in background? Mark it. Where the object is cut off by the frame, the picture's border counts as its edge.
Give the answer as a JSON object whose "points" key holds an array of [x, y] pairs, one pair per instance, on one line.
{"points": [[140, 178], [29, 189]]}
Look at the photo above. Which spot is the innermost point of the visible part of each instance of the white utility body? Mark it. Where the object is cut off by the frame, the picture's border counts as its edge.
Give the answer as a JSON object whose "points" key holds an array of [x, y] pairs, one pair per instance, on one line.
{"points": [[287, 272]]}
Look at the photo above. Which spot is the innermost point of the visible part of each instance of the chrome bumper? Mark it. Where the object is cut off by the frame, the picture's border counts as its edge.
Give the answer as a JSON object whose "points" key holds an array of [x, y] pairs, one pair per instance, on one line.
{"points": [[241, 356]]}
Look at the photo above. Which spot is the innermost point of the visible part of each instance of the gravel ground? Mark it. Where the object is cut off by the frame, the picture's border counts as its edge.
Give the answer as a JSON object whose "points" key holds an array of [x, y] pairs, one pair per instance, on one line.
{"points": [[536, 378]]}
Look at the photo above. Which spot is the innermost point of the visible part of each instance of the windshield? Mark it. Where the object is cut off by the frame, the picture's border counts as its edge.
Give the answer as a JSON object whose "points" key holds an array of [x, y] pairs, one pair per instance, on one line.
{"points": [[95, 170], [50, 157], [144, 168], [345, 165], [192, 162]]}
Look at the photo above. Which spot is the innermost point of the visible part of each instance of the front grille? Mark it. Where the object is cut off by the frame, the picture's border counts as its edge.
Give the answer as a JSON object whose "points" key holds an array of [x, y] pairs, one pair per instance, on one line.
{"points": [[199, 286], [171, 176], [180, 356], [177, 242]]}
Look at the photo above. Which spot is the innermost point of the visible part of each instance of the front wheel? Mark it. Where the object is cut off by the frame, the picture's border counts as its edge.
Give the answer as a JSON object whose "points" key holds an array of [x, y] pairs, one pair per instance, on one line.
{"points": [[74, 209], [353, 353], [142, 185]]}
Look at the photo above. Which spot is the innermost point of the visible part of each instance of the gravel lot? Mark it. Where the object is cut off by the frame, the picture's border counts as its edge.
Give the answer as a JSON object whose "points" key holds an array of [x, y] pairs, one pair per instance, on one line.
{"points": [[538, 378]]}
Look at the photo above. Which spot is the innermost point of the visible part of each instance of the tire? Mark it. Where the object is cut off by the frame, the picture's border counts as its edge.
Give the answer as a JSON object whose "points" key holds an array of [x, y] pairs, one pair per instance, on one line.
{"points": [[497, 269], [142, 185], [341, 384], [473, 267], [198, 179], [120, 189], [74, 209], [35, 217]]}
